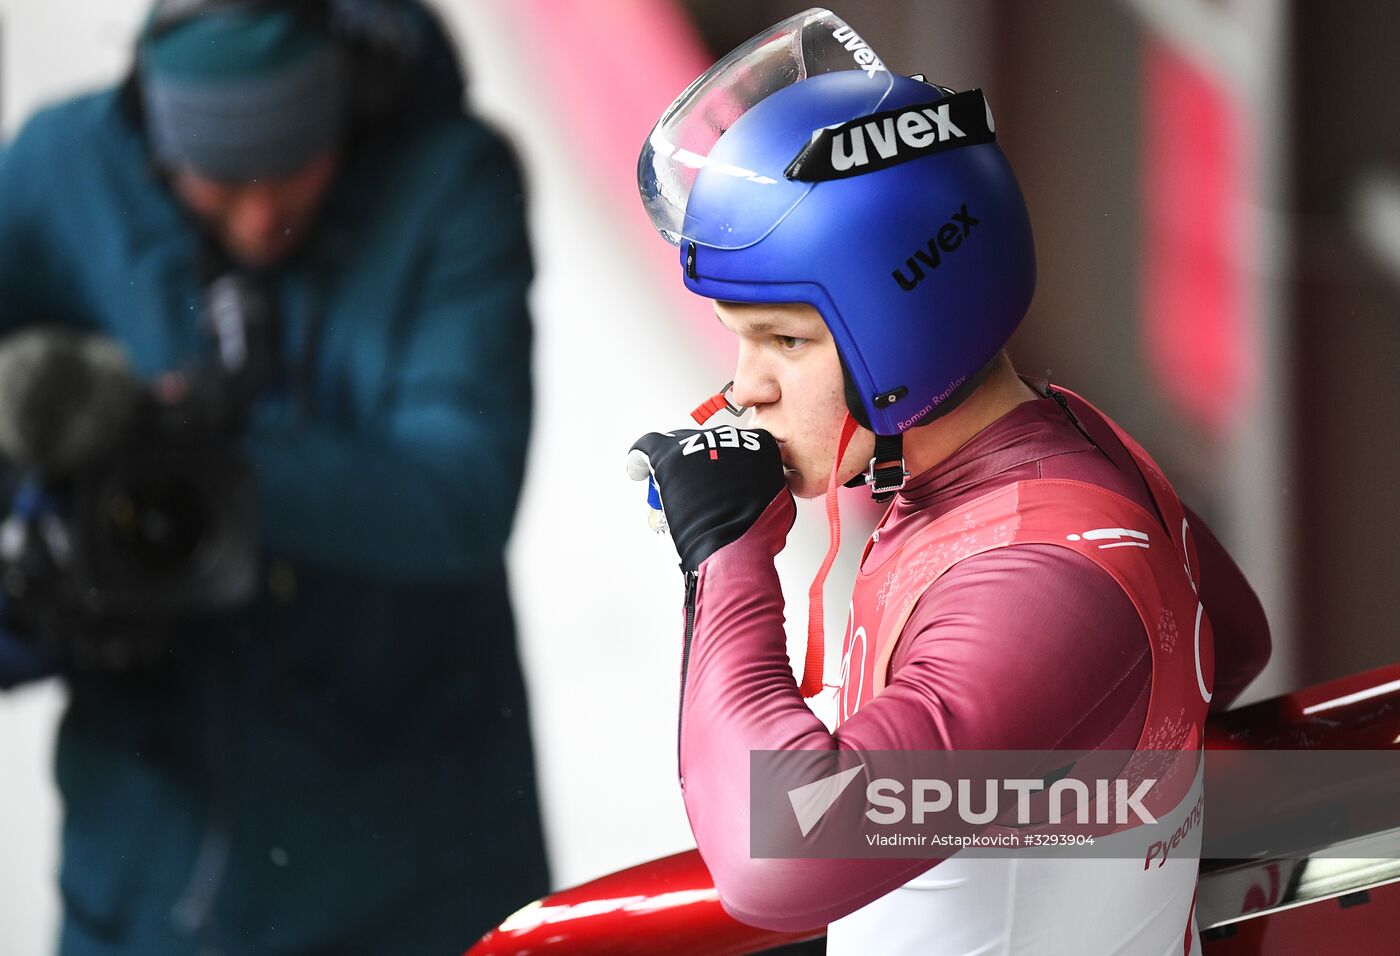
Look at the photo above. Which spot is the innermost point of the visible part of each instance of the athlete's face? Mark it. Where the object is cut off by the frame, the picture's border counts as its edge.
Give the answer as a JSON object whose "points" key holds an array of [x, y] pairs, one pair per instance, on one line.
{"points": [[789, 373]]}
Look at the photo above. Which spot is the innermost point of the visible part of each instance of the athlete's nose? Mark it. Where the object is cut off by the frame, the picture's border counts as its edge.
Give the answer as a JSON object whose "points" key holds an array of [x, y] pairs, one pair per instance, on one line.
{"points": [[753, 384]]}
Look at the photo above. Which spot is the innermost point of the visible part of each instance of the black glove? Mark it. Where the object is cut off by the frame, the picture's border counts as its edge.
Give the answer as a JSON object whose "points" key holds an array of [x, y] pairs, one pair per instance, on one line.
{"points": [[713, 483]]}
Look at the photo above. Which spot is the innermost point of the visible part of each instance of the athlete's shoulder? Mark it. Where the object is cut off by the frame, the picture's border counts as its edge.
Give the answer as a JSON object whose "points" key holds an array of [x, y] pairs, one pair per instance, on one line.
{"points": [[1026, 635]]}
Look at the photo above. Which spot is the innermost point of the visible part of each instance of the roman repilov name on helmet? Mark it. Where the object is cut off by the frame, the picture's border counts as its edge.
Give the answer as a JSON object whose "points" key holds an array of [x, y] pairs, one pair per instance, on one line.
{"points": [[946, 240], [938, 399]]}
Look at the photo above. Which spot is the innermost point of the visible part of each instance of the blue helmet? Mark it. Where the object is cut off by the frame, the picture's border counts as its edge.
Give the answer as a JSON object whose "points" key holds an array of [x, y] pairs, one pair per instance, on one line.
{"points": [[799, 170]]}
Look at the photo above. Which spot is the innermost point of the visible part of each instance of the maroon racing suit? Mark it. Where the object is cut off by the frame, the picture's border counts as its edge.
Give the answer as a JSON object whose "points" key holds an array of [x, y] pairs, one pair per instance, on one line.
{"points": [[979, 663]]}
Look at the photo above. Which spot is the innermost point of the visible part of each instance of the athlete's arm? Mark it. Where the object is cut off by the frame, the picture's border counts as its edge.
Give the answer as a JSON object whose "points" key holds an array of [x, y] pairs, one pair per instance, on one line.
{"points": [[1242, 644], [993, 656]]}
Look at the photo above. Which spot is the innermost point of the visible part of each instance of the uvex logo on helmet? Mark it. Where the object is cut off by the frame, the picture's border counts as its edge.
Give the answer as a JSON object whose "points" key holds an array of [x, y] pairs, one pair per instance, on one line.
{"points": [[878, 141], [860, 50], [948, 238], [916, 128]]}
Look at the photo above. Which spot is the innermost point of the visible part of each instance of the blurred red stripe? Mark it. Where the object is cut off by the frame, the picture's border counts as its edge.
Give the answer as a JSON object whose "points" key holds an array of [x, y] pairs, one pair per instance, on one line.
{"points": [[611, 68], [1193, 282]]}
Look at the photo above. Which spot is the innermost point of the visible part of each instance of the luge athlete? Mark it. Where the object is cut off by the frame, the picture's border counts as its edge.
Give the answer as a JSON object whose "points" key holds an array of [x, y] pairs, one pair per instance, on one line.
{"points": [[1036, 585]]}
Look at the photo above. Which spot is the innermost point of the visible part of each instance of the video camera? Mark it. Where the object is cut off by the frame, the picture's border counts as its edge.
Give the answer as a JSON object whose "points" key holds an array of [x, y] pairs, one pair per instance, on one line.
{"points": [[136, 510]]}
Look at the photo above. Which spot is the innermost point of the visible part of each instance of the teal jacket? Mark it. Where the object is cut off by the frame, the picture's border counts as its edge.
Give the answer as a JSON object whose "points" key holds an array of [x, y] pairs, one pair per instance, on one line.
{"points": [[345, 766]]}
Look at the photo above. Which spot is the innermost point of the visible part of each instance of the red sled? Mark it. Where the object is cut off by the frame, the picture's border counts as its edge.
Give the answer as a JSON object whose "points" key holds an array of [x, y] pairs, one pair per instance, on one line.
{"points": [[1300, 904]]}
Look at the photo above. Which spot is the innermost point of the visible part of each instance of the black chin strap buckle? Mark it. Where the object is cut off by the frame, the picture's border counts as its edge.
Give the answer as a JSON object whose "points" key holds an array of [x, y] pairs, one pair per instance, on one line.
{"points": [[886, 473], [885, 478]]}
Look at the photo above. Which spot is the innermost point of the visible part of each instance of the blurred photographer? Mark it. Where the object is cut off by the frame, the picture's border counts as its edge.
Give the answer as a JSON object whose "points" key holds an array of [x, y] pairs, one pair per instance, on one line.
{"points": [[264, 400]]}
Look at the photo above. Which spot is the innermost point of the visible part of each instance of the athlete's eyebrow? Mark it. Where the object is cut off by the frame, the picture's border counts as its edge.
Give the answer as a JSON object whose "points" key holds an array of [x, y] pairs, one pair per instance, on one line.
{"points": [[750, 327]]}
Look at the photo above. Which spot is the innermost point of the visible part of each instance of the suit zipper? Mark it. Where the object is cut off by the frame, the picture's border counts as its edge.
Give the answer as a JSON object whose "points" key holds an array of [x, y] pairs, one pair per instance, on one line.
{"points": [[1074, 420], [692, 581]]}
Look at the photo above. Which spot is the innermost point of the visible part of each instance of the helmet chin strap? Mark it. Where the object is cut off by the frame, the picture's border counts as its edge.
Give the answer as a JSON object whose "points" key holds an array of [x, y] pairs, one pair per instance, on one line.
{"points": [[886, 473], [885, 476], [813, 665]]}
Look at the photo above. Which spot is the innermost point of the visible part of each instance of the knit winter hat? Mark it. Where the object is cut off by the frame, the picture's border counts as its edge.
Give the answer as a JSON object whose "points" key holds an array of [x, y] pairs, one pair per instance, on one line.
{"points": [[242, 94]]}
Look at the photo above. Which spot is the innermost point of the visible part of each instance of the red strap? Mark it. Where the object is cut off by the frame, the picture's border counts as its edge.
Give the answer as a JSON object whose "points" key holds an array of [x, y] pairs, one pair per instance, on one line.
{"points": [[816, 618], [709, 408]]}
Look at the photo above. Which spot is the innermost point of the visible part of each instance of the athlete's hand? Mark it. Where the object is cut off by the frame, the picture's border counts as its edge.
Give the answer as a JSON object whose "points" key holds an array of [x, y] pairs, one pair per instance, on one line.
{"points": [[714, 483]]}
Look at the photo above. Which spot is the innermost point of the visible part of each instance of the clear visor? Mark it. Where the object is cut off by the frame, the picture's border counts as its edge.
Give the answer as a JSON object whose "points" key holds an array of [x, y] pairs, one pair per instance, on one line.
{"points": [[679, 147]]}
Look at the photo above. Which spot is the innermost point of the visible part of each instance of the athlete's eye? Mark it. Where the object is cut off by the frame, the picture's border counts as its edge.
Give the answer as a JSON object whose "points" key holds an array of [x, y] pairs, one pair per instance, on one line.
{"points": [[789, 343]]}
